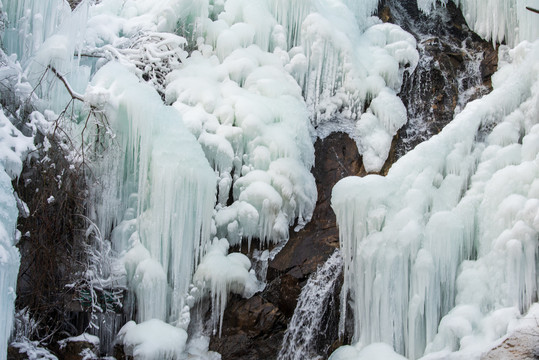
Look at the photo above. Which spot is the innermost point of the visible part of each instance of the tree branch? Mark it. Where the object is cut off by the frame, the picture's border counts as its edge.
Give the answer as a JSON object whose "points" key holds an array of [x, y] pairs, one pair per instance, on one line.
{"points": [[73, 93]]}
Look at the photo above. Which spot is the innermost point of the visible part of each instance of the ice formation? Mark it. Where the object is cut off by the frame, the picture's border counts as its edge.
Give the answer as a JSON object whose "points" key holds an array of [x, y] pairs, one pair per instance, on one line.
{"points": [[221, 274], [375, 351], [440, 255], [165, 181]]}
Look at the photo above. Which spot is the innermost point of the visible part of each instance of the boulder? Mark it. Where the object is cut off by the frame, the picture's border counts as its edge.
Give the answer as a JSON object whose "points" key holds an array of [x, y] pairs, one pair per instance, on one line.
{"points": [[522, 344]]}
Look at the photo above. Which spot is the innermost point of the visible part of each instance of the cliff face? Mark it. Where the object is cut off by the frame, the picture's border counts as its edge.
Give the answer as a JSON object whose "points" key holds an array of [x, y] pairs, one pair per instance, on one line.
{"points": [[455, 67]]}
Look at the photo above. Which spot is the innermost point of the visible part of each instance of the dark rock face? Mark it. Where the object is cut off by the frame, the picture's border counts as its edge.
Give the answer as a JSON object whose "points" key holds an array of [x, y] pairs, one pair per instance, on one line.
{"points": [[455, 67], [14, 353], [254, 328]]}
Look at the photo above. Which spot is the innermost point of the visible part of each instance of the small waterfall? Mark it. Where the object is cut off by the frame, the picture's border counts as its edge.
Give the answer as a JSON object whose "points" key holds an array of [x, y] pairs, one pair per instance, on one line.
{"points": [[302, 338]]}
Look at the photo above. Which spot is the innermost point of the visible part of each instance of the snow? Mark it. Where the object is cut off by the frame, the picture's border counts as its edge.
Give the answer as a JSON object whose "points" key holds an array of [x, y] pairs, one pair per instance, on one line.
{"points": [[376, 351], [84, 337], [32, 350], [440, 255], [152, 340], [13, 147]]}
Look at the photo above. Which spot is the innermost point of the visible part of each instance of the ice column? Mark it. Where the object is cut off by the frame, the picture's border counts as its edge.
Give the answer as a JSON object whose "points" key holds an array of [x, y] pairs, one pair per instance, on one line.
{"points": [[162, 176], [9, 259]]}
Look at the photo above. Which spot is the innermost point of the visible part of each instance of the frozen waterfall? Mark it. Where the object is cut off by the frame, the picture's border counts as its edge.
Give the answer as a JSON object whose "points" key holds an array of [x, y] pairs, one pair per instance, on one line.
{"points": [[197, 120]]}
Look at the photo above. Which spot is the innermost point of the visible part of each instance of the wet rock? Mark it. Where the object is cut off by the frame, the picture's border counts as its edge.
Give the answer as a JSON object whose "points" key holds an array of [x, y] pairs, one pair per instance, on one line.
{"points": [[455, 67], [119, 353], [336, 157]]}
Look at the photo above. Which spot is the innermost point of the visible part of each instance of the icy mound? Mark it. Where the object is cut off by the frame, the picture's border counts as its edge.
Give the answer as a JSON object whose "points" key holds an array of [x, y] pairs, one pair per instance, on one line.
{"points": [[256, 137], [440, 255], [376, 351]]}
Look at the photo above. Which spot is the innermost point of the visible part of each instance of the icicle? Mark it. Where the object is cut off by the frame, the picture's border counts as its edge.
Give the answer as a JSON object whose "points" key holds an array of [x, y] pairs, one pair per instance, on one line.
{"points": [[9, 259], [496, 20]]}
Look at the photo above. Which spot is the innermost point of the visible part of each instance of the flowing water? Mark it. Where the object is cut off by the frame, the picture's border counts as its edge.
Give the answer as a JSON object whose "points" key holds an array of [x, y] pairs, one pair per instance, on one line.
{"points": [[309, 323]]}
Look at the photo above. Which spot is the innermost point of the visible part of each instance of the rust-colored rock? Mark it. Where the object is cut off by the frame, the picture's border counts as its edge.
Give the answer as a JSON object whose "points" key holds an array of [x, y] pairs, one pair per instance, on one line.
{"points": [[336, 157]]}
